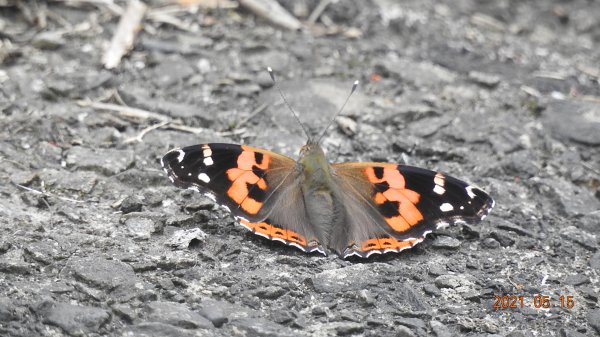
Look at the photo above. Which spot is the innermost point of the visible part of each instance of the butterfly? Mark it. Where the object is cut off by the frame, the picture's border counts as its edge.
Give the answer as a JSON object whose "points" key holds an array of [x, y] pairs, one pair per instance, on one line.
{"points": [[352, 209]]}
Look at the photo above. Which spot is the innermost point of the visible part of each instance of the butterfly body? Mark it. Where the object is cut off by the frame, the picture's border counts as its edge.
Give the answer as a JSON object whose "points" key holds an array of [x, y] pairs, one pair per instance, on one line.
{"points": [[352, 209]]}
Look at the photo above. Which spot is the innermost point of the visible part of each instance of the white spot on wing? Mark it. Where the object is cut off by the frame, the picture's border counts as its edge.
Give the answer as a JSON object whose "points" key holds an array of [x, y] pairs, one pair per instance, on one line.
{"points": [[208, 161], [180, 156], [470, 193], [446, 207], [439, 189], [171, 179], [439, 179], [204, 178], [207, 152]]}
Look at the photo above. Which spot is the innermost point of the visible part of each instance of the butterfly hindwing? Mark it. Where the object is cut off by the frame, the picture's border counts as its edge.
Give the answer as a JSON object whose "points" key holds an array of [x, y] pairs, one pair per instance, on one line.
{"points": [[410, 201]]}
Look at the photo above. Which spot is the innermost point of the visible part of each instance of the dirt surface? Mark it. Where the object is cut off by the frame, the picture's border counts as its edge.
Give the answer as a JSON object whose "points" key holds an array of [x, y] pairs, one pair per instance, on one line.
{"points": [[96, 241]]}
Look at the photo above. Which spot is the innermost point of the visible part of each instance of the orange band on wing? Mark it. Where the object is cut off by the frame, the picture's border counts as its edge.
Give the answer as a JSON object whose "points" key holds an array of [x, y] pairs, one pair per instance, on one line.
{"points": [[387, 243], [243, 177], [274, 232], [408, 213]]}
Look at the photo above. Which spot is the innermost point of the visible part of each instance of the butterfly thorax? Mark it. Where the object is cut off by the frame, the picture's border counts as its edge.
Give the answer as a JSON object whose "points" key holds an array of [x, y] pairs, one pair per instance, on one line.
{"points": [[318, 188]]}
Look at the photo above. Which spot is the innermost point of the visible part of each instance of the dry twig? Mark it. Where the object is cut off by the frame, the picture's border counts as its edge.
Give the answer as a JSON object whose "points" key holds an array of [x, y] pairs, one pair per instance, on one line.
{"points": [[124, 111], [142, 133], [316, 13], [48, 194], [124, 36], [272, 11]]}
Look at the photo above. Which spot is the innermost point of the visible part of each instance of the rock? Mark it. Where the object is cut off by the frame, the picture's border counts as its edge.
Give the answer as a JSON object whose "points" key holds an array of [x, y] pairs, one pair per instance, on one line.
{"points": [[352, 278], [575, 234], [349, 328], [270, 292], [431, 290], [446, 242], [155, 329], [509, 226], [595, 261], [593, 318], [13, 262], [440, 329], [172, 70], [583, 125], [7, 311], [256, 326], [411, 322], [124, 311], [576, 280], [452, 281], [570, 333], [490, 243], [503, 240], [181, 220], [590, 222], [130, 204], [62, 180], [347, 125], [103, 273], [105, 161], [214, 311], [246, 89], [73, 319], [44, 251], [140, 228], [484, 79], [402, 331], [182, 239], [319, 311], [417, 73], [572, 200], [176, 314], [48, 40]]}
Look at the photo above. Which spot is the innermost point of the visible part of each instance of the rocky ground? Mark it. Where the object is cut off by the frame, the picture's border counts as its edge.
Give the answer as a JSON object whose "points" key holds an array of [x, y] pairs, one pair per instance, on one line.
{"points": [[96, 241]]}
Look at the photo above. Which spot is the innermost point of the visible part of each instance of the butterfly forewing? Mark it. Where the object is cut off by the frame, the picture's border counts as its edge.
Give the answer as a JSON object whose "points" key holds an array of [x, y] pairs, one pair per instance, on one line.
{"points": [[237, 176], [259, 187]]}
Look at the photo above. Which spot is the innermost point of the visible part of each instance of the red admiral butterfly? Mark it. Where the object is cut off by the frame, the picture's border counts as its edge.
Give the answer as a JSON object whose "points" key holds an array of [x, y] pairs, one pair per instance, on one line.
{"points": [[353, 209]]}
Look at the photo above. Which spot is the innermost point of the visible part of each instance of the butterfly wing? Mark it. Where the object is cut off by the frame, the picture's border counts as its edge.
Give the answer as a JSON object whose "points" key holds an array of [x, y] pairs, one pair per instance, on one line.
{"points": [[392, 207], [259, 187]]}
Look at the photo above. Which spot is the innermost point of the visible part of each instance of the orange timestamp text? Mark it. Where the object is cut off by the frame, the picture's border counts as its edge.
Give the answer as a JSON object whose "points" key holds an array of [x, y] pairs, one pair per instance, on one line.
{"points": [[505, 302]]}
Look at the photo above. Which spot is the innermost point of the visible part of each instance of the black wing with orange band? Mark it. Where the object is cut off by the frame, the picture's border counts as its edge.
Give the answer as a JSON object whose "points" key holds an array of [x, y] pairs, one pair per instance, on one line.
{"points": [[259, 188], [411, 202]]}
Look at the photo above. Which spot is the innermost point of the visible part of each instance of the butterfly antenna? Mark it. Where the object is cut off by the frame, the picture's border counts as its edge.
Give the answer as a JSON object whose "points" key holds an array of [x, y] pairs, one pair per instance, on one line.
{"points": [[339, 111], [286, 102]]}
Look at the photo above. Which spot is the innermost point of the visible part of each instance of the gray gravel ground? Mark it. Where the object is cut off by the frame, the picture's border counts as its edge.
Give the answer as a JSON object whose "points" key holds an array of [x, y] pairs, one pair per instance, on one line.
{"points": [[504, 94]]}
